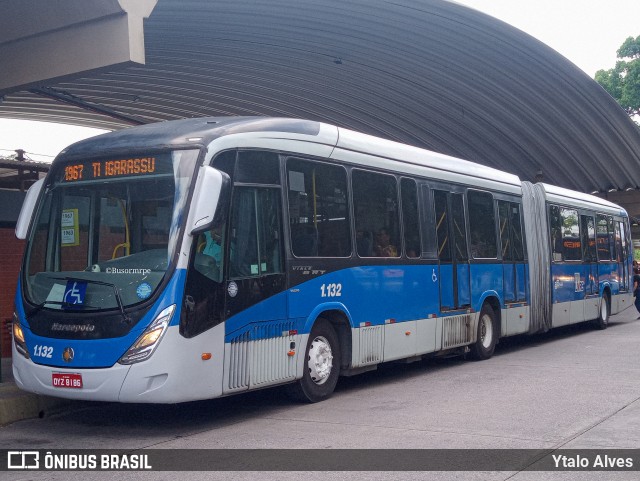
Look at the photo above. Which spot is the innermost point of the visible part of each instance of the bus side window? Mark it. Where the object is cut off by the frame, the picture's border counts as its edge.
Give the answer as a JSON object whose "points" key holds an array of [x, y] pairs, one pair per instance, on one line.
{"points": [[503, 216], [517, 240], [588, 238], [555, 232], [442, 225], [482, 225], [318, 209], [510, 231], [570, 235], [226, 162], [257, 167], [618, 240], [603, 240], [410, 218], [459, 228], [375, 202]]}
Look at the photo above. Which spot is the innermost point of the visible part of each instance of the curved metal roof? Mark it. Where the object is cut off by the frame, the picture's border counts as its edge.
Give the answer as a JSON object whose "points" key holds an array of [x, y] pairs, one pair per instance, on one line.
{"points": [[429, 73]]}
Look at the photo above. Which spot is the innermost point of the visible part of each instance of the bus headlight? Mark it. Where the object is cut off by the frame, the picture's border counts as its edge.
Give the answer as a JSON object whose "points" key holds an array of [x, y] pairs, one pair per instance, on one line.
{"points": [[18, 337], [149, 339]]}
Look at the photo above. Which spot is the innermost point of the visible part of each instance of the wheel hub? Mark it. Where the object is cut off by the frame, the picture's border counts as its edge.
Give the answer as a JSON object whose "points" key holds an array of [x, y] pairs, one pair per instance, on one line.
{"points": [[320, 360], [486, 331]]}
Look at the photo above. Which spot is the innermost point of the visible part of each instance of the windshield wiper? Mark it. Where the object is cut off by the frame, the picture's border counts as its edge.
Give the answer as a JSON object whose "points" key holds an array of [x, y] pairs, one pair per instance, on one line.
{"points": [[125, 316]]}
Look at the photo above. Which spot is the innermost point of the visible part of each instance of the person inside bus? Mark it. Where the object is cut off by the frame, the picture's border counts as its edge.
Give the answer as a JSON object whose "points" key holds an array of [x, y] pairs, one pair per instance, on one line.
{"points": [[213, 244], [209, 257], [636, 284], [384, 248]]}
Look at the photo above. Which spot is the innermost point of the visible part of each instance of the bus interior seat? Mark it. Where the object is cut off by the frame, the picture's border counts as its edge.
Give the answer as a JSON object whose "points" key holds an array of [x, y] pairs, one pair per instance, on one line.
{"points": [[364, 244]]}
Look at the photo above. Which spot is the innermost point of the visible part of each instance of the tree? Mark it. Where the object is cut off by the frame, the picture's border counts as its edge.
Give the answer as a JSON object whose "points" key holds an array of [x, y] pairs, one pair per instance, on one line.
{"points": [[623, 81]]}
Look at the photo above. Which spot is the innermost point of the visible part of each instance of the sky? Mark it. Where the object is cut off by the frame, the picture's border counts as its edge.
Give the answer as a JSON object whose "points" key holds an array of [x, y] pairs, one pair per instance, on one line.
{"points": [[587, 32]]}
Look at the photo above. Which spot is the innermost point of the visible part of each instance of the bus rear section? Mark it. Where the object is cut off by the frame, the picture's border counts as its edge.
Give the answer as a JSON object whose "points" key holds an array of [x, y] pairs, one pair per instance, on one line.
{"points": [[580, 254]]}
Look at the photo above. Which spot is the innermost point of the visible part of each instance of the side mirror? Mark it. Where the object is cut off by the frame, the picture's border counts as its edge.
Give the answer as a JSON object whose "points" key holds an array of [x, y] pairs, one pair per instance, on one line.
{"points": [[209, 200], [28, 206]]}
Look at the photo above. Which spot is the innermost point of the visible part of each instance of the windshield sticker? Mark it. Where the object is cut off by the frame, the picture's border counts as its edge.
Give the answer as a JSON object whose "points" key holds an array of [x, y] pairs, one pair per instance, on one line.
{"points": [[144, 290], [70, 228], [74, 292], [56, 293]]}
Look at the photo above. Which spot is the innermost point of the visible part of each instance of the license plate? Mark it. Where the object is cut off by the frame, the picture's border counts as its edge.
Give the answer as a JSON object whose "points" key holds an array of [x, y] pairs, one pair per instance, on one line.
{"points": [[69, 381]]}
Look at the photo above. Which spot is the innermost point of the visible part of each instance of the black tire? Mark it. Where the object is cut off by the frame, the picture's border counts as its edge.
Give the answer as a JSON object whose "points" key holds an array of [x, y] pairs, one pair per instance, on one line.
{"points": [[487, 335], [602, 322], [321, 365]]}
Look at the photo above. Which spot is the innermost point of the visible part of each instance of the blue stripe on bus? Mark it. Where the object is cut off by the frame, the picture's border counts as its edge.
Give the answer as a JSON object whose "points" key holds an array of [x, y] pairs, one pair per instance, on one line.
{"points": [[371, 294], [571, 282]]}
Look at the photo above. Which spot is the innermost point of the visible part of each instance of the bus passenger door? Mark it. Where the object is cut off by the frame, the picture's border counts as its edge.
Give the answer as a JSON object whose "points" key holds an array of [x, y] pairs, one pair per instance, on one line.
{"points": [[255, 312], [623, 252], [590, 262], [513, 267], [455, 289], [508, 267]]}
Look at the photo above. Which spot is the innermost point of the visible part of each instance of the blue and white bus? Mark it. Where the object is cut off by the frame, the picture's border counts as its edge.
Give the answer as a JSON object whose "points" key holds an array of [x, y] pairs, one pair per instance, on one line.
{"points": [[201, 258]]}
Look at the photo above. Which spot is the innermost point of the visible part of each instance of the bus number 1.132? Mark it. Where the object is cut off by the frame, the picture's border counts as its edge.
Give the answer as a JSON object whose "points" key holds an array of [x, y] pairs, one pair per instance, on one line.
{"points": [[331, 290]]}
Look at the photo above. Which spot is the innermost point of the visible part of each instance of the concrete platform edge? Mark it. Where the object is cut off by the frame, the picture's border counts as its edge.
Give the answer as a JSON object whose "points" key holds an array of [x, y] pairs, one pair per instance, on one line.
{"points": [[16, 404]]}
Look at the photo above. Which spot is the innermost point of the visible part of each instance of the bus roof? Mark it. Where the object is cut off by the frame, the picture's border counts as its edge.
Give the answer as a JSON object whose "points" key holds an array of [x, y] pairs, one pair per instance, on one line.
{"points": [[578, 199], [350, 146], [439, 165], [347, 145], [200, 131]]}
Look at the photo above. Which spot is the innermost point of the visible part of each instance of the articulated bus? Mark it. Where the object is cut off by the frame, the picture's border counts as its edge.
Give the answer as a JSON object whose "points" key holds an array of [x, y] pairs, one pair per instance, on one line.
{"points": [[201, 258]]}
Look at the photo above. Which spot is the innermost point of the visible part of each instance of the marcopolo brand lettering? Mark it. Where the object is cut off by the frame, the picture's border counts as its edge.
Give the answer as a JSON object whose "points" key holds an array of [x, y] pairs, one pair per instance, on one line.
{"points": [[73, 327]]}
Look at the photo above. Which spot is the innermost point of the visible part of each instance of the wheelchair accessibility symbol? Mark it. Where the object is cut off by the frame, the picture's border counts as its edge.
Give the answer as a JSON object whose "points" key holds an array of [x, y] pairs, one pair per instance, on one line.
{"points": [[74, 292]]}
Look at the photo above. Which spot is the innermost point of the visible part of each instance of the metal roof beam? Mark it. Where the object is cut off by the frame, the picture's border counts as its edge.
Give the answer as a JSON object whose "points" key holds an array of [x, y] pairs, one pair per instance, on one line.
{"points": [[62, 43], [78, 102]]}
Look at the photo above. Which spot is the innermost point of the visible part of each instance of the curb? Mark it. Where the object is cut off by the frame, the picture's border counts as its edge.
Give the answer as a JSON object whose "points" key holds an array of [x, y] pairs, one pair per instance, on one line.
{"points": [[16, 404]]}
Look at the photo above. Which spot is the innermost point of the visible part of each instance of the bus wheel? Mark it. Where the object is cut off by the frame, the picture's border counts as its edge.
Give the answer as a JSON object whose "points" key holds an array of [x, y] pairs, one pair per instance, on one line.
{"points": [[603, 319], [487, 335], [321, 367]]}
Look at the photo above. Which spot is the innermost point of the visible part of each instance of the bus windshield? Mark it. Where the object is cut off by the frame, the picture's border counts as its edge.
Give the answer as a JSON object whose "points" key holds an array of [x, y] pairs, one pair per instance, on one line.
{"points": [[106, 229]]}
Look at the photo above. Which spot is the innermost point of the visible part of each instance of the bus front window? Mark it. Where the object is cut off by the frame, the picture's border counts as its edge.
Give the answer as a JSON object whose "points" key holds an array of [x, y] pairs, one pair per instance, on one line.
{"points": [[111, 227]]}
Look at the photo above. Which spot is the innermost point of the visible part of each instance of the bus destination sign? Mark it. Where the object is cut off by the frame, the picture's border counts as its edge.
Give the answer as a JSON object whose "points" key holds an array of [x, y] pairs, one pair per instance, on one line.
{"points": [[90, 170]]}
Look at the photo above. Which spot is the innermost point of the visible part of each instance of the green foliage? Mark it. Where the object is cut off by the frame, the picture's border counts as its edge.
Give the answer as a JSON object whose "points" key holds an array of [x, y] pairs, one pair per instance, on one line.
{"points": [[623, 81], [630, 48]]}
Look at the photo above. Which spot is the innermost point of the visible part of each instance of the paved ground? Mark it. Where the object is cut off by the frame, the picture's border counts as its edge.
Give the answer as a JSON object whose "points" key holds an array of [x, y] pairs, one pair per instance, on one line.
{"points": [[572, 388]]}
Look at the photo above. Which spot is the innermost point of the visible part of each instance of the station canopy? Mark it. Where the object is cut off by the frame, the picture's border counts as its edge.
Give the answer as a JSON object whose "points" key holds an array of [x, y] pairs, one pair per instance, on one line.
{"points": [[429, 73]]}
